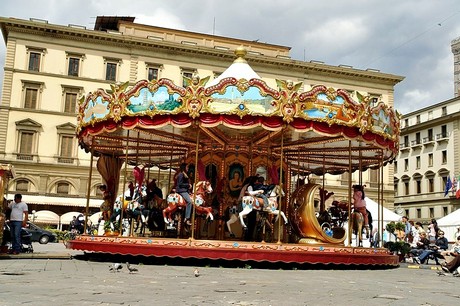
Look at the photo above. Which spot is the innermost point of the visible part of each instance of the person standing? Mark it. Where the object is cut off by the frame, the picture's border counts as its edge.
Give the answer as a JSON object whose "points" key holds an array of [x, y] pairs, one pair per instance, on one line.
{"points": [[18, 219], [407, 228], [182, 188]]}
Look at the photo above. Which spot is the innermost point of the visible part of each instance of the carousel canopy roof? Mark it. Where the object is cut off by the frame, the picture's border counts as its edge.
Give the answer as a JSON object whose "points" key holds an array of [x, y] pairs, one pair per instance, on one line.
{"points": [[317, 131]]}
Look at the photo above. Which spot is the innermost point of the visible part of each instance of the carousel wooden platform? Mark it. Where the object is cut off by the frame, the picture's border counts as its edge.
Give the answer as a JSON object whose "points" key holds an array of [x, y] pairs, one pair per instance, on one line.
{"points": [[228, 250]]}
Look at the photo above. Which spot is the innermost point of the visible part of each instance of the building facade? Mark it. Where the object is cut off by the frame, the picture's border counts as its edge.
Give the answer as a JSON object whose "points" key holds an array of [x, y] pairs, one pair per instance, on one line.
{"points": [[429, 156], [48, 68]]}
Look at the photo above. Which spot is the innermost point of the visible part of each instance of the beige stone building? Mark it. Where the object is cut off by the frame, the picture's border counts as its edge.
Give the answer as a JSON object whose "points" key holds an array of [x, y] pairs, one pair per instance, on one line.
{"points": [[49, 67], [429, 155]]}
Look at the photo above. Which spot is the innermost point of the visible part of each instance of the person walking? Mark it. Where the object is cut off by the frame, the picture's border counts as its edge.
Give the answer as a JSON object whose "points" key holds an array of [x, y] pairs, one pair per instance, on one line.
{"points": [[18, 219]]}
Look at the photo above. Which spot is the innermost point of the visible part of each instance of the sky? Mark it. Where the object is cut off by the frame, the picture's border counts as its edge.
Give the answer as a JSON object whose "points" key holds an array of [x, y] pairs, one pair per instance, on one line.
{"points": [[409, 38]]}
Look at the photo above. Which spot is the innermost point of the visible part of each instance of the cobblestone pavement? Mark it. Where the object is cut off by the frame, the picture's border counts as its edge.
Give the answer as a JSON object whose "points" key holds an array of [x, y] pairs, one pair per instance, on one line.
{"points": [[87, 281]]}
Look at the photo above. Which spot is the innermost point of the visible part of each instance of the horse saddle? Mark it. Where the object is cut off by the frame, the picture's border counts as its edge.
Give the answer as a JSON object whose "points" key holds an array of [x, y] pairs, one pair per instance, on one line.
{"points": [[173, 198], [199, 201]]}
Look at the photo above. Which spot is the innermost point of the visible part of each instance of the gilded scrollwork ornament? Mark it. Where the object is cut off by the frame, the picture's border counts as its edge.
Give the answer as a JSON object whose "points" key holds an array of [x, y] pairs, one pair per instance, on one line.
{"points": [[118, 101], [194, 95]]}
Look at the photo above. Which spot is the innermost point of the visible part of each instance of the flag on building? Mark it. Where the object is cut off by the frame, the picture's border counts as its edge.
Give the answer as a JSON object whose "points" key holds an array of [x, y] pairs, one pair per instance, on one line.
{"points": [[448, 186], [457, 193]]}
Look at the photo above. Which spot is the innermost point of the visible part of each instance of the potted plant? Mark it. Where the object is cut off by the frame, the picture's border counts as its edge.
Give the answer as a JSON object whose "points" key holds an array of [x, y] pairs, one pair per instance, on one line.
{"points": [[398, 247]]}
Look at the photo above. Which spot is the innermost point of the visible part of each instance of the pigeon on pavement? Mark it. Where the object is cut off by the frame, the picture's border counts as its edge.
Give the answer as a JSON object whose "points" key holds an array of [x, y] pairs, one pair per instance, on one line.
{"points": [[131, 269], [116, 267]]}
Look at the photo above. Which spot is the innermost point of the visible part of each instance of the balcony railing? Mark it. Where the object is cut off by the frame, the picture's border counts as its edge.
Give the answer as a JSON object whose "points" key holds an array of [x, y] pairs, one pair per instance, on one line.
{"points": [[404, 146], [416, 143], [428, 140], [442, 136], [24, 157]]}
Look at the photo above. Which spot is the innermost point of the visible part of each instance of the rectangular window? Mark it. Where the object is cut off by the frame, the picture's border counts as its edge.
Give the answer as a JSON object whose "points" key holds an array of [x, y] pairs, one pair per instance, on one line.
{"points": [[26, 142], [406, 141], [152, 74], [417, 119], [430, 115], [444, 131], [406, 164], [62, 188], [419, 213], [406, 122], [70, 104], [111, 71], [444, 157], [66, 149], [430, 160], [431, 212], [444, 110], [418, 187], [407, 213], [406, 188], [431, 184], [417, 162], [430, 134], [186, 74], [74, 66], [34, 61], [445, 211], [22, 185], [396, 167], [396, 189], [31, 97]]}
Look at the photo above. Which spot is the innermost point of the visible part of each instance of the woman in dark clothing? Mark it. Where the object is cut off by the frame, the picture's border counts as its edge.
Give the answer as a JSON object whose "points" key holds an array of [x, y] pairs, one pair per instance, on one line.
{"points": [[183, 186]]}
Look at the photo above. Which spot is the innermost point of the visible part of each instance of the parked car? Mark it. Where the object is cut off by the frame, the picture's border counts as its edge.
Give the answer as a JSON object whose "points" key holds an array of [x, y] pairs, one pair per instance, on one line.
{"points": [[40, 235]]}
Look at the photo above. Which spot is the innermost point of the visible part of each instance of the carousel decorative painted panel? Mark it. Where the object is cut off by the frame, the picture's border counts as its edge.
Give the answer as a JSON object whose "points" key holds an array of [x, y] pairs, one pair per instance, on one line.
{"points": [[235, 179], [96, 109], [234, 100], [161, 99]]}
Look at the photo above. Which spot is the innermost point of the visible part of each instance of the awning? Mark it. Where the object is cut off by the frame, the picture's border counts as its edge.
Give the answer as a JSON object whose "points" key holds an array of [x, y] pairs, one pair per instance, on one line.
{"points": [[62, 201], [44, 216]]}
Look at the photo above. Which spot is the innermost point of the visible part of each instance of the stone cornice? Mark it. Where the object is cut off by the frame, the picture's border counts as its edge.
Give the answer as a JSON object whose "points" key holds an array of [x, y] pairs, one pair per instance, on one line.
{"points": [[118, 40]]}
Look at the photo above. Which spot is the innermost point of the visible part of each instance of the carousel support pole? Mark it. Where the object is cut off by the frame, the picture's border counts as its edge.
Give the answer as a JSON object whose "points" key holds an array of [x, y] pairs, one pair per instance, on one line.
{"points": [[192, 237], [148, 174], [221, 177], [88, 191], [280, 201], [381, 198], [131, 227], [124, 184], [349, 188], [170, 166], [322, 204]]}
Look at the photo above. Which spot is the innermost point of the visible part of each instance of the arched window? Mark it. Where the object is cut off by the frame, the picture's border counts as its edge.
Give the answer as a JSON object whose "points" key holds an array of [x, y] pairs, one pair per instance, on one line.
{"points": [[22, 185], [62, 188]]}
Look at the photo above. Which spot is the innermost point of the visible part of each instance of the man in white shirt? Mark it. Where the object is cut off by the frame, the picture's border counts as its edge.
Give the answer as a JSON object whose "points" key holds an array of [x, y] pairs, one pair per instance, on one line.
{"points": [[18, 219]]}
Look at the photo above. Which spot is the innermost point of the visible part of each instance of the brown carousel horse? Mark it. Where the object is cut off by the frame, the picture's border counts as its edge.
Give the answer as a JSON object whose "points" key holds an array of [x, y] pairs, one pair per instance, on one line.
{"points": [[355, 226], [250, 202], [175, 200]]}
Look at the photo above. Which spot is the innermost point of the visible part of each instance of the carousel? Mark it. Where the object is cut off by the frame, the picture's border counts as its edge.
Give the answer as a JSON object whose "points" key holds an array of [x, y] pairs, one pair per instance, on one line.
{"points": [[229, 131]]}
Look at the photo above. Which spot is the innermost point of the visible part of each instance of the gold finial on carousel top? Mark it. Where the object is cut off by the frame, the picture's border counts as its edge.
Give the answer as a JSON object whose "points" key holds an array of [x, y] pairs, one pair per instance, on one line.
{"points": [[240, 52]]}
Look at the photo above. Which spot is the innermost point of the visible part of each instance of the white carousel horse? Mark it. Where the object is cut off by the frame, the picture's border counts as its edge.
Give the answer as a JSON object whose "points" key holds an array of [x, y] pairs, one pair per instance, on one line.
{"points": [[252, 202], [233, 213], [175, 200]]}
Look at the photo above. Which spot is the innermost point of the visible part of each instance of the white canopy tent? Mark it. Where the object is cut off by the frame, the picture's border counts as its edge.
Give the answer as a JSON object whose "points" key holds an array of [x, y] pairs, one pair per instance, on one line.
{"points": [[67, 217], [44, 217], [373, 208], [449, 224]]}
